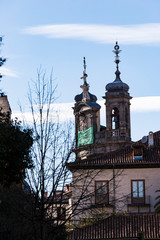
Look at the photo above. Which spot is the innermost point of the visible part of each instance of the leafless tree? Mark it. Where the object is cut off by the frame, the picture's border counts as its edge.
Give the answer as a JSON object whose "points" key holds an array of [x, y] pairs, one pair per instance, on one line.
{"points": [[51, 151], [45, 211]]}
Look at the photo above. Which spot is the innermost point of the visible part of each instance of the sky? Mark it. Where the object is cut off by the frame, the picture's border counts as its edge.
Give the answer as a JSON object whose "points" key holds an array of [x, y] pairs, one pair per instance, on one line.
{"points": [[56, 35]]}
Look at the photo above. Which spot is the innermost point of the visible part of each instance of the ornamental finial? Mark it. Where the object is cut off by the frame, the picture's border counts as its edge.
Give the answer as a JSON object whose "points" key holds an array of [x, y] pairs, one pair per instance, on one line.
{"points": [[84, 64], [117, 61], [84, 72], [85, 86]]}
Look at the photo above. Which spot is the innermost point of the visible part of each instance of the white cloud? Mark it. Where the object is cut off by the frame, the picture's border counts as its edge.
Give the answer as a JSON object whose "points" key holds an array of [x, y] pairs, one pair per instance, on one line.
{"points": [[64, 112], [145, 104], [142, 104], [60, 112], [8, 72], [126, 34]]}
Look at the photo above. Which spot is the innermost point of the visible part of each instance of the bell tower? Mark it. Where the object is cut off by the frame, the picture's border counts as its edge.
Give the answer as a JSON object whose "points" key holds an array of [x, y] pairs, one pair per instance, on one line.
{"points": [[87, 119], [117, 101], [91, 137]]}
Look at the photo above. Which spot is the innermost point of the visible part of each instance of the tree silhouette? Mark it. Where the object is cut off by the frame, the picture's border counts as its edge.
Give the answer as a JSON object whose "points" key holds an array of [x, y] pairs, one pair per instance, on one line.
{"points": [[15, 150]]}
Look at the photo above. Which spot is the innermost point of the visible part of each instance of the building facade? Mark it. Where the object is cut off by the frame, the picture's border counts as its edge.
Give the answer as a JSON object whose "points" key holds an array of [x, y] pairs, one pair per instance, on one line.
{"points": [[111, 173]]}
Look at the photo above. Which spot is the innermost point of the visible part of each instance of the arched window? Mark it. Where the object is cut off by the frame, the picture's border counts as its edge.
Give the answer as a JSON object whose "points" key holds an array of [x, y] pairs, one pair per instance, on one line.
{"points": [[115, 118]]}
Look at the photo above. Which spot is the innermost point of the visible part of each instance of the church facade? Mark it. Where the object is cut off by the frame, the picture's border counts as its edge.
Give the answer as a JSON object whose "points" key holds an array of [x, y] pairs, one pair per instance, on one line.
{"points": [[111, 173]]}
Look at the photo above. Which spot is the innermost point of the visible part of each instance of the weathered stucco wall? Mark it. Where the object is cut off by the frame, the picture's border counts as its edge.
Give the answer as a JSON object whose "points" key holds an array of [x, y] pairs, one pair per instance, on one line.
{"points": [[119, 189]]}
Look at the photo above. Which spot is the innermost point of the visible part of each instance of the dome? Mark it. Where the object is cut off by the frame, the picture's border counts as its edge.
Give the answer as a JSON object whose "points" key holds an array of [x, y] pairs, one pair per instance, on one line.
{"points": [[79, 97], [117, 84]]}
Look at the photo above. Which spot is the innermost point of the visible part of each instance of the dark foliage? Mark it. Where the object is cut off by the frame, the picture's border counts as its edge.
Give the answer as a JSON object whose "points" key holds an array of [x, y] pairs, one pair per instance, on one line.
{"points": [[15, 156], [19, 219]]}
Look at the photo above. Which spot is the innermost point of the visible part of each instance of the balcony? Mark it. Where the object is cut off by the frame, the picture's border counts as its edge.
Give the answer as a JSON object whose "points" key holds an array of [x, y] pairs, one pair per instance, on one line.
{"points": [[138, 207], [111, 135]]}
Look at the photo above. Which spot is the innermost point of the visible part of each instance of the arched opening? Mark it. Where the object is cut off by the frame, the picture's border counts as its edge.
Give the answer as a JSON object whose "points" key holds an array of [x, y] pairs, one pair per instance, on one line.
{"points": [[115, 118]]}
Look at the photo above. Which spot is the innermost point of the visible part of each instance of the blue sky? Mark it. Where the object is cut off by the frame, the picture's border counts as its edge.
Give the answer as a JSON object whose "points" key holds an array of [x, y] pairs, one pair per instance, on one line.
{"points": [[58, 34]]}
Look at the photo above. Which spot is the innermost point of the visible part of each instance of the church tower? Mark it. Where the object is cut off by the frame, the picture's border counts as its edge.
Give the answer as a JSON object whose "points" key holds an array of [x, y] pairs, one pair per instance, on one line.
{"points": [[91, 137], [87, 118], [117, 101]]}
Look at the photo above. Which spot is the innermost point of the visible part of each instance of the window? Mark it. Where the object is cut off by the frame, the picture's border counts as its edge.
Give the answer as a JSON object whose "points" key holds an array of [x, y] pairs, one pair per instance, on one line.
{"points": [[138, 153], [101, 192], [61, 213], [115, 118], [138, 191]]}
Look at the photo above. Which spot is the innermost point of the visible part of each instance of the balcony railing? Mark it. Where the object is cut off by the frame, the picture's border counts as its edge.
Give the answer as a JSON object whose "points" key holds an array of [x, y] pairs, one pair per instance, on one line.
{"points": [[115, 133], [139, 207], [108, 135]]}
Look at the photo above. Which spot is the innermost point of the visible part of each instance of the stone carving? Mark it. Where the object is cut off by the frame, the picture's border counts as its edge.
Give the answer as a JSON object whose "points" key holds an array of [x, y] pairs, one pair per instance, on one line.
{"points": [[85, 88]]}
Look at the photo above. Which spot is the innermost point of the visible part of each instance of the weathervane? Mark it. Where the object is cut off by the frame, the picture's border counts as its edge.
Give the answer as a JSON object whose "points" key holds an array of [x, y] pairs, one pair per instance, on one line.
{"points": [[117, 61]]}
